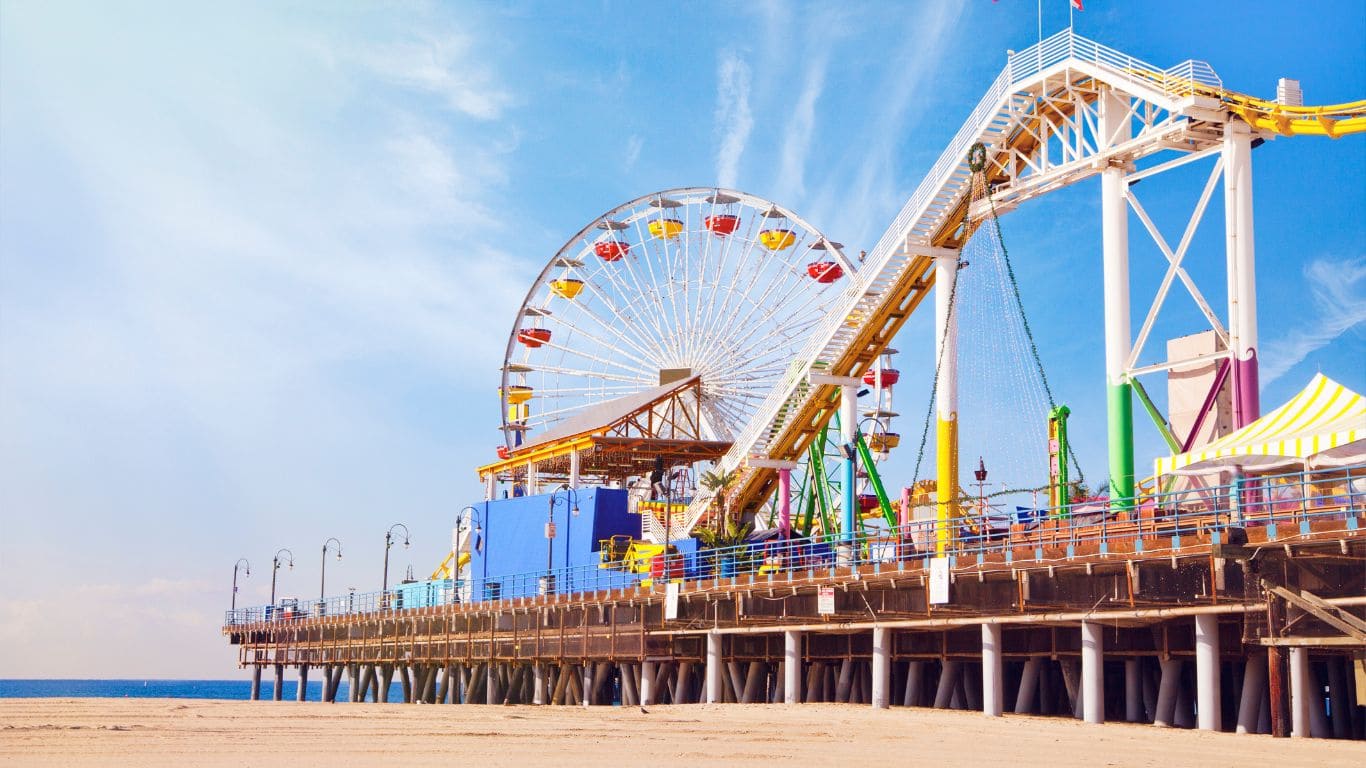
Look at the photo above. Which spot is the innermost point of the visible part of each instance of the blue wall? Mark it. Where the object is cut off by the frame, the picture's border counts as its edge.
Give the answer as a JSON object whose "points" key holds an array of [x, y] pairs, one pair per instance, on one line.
{"points": [[514, 543]]}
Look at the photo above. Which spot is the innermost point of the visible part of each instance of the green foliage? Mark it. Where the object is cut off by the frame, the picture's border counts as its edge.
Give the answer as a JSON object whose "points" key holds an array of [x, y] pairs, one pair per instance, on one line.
{"points": [[717, 482], [728, 535]]}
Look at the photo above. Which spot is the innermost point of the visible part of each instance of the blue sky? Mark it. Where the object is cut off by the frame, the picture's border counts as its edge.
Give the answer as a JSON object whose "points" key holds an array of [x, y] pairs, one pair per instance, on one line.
{"points": [[258, 261]]}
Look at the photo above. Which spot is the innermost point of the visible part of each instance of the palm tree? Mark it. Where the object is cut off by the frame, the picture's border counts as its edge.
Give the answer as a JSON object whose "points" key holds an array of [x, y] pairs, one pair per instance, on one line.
{"points": [[718, 482]]}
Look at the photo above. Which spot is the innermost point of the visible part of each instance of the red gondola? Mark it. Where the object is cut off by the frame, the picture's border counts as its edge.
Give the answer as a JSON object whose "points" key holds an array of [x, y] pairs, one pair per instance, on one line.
{"points": [[503, 452], [534, 337], [825, 271], [890, 376], [722, 223], [611, 250], [868, 502]]}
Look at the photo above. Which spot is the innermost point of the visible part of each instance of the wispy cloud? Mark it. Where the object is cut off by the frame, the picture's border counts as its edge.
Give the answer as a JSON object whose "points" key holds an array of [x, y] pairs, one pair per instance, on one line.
{"points": [[790, 185], [1338, 287], [733, 118], [877, 190], [633, 146], [245, 267], [446, 65]]}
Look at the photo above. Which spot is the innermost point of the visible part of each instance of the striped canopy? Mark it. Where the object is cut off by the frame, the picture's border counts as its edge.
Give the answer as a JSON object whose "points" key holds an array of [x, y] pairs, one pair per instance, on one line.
{"points": [[1325, 424]]}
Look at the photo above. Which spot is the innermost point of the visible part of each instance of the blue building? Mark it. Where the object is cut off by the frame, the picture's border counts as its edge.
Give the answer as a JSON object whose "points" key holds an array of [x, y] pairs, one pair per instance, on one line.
{"points": [[508, 555]]}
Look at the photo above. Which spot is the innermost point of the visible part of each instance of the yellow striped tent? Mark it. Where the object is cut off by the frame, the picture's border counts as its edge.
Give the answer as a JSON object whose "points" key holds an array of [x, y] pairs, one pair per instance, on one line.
{"points": [[1323, 425]]}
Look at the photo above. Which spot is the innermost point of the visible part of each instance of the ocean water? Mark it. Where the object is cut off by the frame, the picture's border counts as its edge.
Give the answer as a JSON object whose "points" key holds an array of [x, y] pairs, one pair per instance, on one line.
{"points": [[169, 689]]}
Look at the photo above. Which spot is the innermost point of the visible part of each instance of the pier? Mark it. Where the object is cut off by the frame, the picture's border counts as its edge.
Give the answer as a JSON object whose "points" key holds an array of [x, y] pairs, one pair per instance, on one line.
{"points": [[1200, 622]]}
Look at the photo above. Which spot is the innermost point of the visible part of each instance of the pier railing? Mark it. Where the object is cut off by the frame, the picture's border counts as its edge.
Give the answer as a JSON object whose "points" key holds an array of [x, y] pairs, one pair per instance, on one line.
{"points": [[1284, 506]]}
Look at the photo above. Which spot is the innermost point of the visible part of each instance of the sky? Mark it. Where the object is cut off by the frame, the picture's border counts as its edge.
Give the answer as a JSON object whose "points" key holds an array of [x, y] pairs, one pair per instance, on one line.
{"points": [[259, 261]]}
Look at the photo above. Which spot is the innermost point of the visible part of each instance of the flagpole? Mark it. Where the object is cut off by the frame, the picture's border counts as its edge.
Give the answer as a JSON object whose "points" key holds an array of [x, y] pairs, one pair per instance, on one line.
{"points": [[1070, 8]]}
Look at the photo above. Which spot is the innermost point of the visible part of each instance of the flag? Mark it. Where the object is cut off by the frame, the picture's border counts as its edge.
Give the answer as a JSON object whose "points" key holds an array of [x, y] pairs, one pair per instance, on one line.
{"points": [[1077, 4]]}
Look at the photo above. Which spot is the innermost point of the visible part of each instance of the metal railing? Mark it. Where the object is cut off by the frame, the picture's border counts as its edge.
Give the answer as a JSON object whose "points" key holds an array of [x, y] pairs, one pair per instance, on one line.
{"points": [[1286, 505]]}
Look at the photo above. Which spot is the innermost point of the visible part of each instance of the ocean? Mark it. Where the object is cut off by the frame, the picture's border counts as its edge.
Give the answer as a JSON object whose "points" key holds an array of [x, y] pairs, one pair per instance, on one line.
{"points": [[168, 689]]}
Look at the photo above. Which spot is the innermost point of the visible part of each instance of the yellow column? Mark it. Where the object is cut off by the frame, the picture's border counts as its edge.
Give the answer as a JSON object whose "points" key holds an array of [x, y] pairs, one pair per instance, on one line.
{"points": [[946, 399]]}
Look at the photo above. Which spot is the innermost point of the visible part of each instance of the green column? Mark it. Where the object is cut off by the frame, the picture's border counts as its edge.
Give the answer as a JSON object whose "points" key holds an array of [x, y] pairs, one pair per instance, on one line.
{"points": [[1121, 431]]}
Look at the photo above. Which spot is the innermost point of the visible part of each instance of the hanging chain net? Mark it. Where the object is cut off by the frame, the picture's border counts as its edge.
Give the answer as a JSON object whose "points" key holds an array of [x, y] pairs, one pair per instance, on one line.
{"points": [[1004, 397]]}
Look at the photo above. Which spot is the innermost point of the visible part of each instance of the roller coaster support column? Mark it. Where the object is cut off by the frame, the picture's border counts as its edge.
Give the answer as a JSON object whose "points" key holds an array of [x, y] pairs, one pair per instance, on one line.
{"points": [[849, 387], [1242, 276], [1115, 128], [946, 400], [785, 502], [784, 469], [848, 430]]}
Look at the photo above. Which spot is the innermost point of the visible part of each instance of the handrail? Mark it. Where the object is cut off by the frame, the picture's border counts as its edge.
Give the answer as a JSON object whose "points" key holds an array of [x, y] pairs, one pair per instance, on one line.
{"points": [[1296, 499]]}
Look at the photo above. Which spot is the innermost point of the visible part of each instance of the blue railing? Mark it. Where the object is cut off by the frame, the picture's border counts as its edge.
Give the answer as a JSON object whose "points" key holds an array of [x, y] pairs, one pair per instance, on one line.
{"points": [[1286, 505]]}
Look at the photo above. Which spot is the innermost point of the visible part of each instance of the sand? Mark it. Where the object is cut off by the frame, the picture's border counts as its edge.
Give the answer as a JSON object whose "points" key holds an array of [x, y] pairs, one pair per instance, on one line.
{"points": [[169, 732]]}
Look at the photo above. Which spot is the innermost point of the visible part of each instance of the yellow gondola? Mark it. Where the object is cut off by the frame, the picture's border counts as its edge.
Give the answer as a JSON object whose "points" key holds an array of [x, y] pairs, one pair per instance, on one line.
{"points": [[666, 229], [566, 288], [518, 393], [777, 239], [881, 442]]}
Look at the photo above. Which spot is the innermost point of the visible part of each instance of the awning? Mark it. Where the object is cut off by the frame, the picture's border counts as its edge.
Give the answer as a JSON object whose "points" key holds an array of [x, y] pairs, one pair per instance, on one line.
{"points": [[1324, 424]]}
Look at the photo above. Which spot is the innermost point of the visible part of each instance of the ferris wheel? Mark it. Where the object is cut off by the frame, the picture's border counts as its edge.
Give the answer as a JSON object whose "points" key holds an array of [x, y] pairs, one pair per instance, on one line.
{"points": [[703, 282]]}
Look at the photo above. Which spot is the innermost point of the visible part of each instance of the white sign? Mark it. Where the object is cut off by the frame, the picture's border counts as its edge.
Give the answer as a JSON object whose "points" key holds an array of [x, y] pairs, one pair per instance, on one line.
{"points": [[939, 580], [825, 601], [671, 601]]}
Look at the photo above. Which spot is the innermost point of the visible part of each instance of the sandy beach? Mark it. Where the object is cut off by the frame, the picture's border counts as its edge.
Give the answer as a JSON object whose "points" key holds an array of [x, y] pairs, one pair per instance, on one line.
{"points": [[165, 732]]}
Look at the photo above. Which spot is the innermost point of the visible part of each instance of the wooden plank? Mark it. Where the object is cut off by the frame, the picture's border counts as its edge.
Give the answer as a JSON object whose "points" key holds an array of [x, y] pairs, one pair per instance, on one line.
{"points": [[1326, 615]]}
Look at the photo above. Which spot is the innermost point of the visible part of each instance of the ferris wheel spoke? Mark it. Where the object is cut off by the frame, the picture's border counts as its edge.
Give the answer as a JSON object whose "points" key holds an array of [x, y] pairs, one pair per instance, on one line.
{"points": [[563, 320], [733, 417], [653, 332], [785, 291], [559, 371], [624, 322], [780, 322], [744, 347], [781, 283], [717, 309], [732, 294], [658, 318], [745, 376]]}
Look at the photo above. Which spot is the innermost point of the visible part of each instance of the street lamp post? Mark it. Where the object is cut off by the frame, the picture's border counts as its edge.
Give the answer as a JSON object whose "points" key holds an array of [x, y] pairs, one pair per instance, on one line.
{"points": [[473, 527], [388, 543], [548, 581], [322, 585], [241, 561], [275, 568]]}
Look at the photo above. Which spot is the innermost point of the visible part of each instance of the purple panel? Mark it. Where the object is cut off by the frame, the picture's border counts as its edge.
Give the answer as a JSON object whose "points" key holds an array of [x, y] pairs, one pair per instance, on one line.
{"points": [[1247, 399]]}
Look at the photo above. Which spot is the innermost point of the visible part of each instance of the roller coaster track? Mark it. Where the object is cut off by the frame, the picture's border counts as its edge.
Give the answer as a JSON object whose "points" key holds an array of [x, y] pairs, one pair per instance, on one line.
{"points": [[1042, 101]]}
